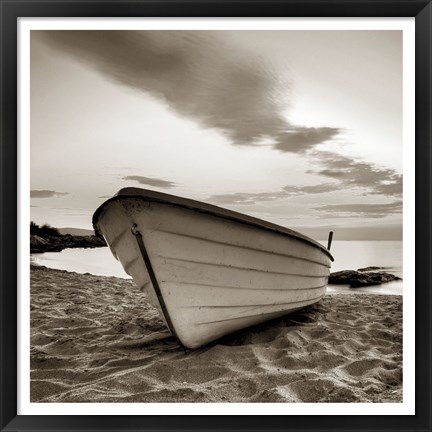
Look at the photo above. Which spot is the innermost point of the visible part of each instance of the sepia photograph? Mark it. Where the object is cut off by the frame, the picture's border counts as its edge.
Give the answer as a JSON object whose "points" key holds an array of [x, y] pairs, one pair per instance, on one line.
{"points": [[216, 216]]}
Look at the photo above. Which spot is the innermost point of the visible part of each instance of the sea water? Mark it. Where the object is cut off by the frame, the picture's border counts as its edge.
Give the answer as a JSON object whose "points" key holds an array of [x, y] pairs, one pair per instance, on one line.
{"points": [[97, 261], [348, 255], [354, 255]]}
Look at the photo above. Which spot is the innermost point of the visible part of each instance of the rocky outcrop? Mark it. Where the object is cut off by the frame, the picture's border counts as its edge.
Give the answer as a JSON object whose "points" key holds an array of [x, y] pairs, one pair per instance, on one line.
{"points": [[371, 268], [40, 244], [356, 279]]}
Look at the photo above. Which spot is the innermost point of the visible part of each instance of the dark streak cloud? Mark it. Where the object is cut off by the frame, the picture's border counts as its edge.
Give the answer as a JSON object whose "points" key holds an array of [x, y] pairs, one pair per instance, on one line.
{"points": [[66, 208], [362, 210], [151, 181], [301, 139], [199, 76], [243, 198], [314, 189], [352, 173], [46, 194]]}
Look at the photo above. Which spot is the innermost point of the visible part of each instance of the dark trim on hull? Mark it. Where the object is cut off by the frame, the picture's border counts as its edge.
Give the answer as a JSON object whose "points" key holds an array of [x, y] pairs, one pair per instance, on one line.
{"points": [[159, 197], [147, 262]]}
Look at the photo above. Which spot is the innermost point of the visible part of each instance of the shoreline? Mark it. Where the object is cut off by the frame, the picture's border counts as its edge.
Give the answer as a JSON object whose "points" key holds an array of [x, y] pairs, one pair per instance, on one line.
{"points": [[96, 339], [56, 243]]}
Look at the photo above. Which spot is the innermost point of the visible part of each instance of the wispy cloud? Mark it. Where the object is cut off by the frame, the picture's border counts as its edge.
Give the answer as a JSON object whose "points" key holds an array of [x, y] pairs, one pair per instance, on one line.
{"points": [[362, 210], [151, 181], [46, 193], [313, 189], [353, 173], [244, 198], [200, 76], [78, 209], [347, 173]]}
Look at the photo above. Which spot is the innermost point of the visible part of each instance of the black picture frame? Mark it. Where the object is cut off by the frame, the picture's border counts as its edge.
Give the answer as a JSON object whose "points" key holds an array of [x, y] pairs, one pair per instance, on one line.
{"points": [[11, 10]]}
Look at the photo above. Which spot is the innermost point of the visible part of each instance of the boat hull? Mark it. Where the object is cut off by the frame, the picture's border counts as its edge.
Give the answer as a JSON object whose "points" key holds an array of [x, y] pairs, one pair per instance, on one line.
{"points": [[209, 275]]}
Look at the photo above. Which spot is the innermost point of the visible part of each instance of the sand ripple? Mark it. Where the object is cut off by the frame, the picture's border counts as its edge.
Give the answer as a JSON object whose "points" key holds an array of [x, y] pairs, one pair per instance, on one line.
{"points": [[96, 339]]}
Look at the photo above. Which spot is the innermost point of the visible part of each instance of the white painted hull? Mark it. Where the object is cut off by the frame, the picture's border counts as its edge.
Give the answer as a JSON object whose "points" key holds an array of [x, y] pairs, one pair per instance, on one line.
{"points": [[213, 275]]}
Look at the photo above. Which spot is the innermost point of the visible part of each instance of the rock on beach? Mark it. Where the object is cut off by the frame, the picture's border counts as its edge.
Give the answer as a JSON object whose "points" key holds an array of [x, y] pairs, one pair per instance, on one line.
{"points": [[361, 278]]}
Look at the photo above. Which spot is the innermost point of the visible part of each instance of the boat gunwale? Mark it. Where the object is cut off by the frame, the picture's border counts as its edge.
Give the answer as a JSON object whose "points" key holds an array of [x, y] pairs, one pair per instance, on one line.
{"points": [[201, 207]]}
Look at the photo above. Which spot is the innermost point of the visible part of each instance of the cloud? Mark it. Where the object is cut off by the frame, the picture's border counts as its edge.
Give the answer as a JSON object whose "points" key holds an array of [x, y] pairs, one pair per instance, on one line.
{"points": [[352, 173], [346, 172], [199, 75], [46, 194], [314, 189], [66, 208], [362, 210], [151, 181], [244, 198], [370, 231], [301, 139]]}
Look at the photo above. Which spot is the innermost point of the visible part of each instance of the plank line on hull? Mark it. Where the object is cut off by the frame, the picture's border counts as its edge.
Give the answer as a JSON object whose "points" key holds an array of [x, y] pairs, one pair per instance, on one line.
{"points": [[116, 239], [130, 264], [243, 306], [240, 267], [144, 286], [190, 297], [303, 303], [172, 272], [244, 288], [245, 247]]}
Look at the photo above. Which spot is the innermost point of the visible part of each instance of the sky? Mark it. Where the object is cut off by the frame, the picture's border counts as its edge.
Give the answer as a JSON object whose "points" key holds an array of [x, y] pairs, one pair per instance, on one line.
{"points": [[300, 128]]}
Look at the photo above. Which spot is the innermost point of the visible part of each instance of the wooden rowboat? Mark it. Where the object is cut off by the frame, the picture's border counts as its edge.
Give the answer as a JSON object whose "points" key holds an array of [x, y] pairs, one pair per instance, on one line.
{"points": [[208, 270]]}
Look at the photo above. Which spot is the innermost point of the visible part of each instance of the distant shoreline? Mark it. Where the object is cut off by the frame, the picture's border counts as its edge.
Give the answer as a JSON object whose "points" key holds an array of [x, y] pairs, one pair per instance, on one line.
{"points": [[57, 243]]}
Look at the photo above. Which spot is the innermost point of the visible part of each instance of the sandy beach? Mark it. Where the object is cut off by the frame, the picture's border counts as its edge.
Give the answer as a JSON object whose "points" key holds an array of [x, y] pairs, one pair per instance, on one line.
{"points": [[96, 339]]}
